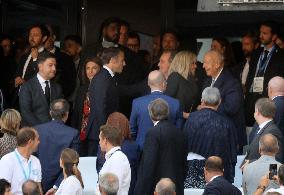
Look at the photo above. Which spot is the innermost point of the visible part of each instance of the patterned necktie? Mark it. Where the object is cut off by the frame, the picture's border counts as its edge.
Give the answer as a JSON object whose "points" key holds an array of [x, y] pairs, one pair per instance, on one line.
{"points": [[47, 92]]}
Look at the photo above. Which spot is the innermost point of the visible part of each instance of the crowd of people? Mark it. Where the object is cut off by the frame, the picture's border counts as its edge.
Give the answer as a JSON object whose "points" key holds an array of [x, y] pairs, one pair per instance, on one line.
{"points": [[158, 123]]}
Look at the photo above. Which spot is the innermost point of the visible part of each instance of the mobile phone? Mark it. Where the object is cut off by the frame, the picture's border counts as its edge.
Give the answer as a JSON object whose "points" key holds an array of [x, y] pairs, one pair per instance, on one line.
{"points": [[272, 170]]}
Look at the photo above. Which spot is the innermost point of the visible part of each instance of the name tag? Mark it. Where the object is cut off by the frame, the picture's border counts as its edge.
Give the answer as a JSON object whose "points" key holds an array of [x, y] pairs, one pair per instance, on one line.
{"points": [[258, 84]]}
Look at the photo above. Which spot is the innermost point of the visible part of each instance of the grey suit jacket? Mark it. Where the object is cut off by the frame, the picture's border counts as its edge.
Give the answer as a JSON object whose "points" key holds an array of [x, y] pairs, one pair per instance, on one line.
{"points": [[254, 171], [253, 150], [33, 105]]}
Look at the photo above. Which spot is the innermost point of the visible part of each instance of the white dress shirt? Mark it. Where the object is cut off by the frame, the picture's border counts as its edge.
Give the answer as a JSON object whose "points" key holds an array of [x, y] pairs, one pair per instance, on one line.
{"points": [[215, 79], [109, 70], [42, 82], [245, 73], [118, 164], [16, 170], [262, 125], [71, 186]]}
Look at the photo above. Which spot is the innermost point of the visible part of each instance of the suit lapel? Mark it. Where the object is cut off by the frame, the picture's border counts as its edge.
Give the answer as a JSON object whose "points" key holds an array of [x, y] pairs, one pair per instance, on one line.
{"points": [[263, 129], [38, 86]]}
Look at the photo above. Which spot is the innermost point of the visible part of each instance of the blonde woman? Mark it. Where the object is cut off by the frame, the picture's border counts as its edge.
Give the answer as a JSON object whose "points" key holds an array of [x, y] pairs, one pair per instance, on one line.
{"points": [[181, 83], [10, 123], [72, 183]]}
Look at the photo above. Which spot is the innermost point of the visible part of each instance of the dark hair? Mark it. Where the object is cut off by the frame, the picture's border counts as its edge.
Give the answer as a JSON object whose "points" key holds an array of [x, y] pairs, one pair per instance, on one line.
{"points": [[108, 53], [43, 29], [134, 35], [281, 174], [24, 135], [4, 184], [107, 22], [112, 134], [253, 35], [30, 187], [96, 60], [124, 23], [4, 37], [59, 108], [273, 25], [229, 57], [77, 39], [170, 31], [70, 160], [214, 164], [44, 56], [266, 107]]}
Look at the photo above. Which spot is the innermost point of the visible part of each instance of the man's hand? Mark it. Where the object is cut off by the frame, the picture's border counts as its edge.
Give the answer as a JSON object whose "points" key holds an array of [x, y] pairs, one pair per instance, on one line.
{"points": [[185, 115], [34, 53], [245, 164], [19, 81], [264, 181], [51, 191]]}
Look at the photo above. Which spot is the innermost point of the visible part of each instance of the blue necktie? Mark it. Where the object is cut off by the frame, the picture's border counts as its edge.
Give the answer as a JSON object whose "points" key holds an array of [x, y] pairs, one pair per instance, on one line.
{"points": [[261, 69]]}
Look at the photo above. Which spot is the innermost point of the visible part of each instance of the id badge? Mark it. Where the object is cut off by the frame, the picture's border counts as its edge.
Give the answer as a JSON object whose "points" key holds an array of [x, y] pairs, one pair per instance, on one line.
{"points": [[258, 84]]}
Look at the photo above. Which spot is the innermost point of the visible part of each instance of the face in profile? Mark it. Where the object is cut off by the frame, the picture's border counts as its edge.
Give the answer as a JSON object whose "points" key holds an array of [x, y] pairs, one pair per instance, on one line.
{"points": [[47, 69], [266, 37], [92, 69], [111, 32], [210, 66], [164, 64], [102, 142], [119, 62], [35, 143]]}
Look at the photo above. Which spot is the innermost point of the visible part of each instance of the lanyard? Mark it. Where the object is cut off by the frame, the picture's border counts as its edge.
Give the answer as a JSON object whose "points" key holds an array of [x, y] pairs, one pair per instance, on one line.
{"points": [[24, 172], [267, 60]]}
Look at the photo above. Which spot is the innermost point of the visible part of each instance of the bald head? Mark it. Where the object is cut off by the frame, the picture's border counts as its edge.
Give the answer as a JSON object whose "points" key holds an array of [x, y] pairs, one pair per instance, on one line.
{"points": [[268, 145], [276, 87], [165, 187], [30, 187], [156, 80], [213, 62]]}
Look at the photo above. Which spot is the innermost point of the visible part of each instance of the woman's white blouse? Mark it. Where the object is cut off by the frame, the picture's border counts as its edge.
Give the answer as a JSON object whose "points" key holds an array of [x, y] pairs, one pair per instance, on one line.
{"points": [[71, 186]]}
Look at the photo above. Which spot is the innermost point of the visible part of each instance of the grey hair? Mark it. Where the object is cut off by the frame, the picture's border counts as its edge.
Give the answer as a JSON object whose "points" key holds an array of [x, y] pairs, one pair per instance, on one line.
{"points": [[268, 143], [158, 109], [211, 96], [109, 183], [59, 108], [165, 187]]}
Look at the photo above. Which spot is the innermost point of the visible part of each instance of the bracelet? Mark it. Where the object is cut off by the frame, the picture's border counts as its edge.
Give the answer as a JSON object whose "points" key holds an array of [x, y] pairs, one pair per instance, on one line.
{"points": [[261, 187]]}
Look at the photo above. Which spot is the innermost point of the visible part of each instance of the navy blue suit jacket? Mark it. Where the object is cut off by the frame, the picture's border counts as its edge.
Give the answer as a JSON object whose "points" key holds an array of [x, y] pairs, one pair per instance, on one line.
{"points": [[279, 115], [220, 186], [232, 102], [104, 101], [54, 137], [140, 120]]}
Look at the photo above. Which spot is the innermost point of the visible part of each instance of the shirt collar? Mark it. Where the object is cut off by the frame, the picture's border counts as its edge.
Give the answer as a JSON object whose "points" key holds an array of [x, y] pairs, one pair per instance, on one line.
{"points": [[53, 50], [22, 159], [111, 151], [156, 122], [41, 49], [262, 125], [277, 96], [41, 80], [109, 70], [214, 178], [215, 79], [156, 90]]}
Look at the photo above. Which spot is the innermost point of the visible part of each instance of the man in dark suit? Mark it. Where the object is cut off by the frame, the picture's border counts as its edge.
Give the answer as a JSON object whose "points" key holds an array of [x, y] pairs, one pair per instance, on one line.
{"points": [[27, 67], [37, 93], [216, 183], [264, 113], [132, 73], [103, 96], [276, 94], [164, 154], [65, 68], [140, 120], [265, 63], [231, 92], [54, 137]]}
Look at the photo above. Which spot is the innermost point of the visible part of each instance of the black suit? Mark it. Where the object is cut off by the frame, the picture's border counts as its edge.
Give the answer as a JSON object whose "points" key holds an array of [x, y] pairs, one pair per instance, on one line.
{"points": [[104, 101], [220, 186], [253, 150], [65, 72], [274, 68], [164, 156], [33, 104], [279, 115]]}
